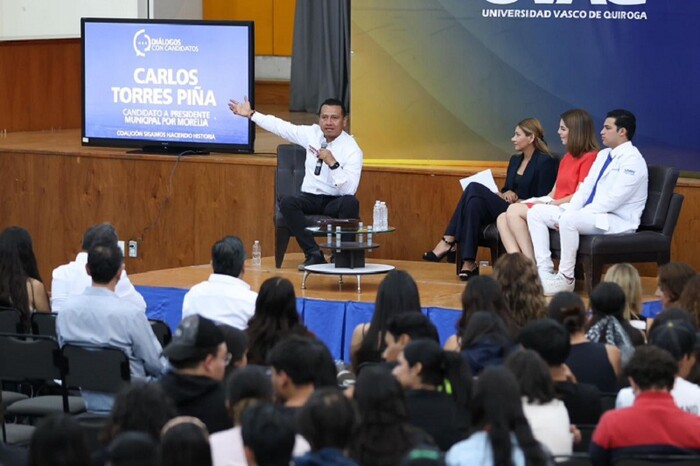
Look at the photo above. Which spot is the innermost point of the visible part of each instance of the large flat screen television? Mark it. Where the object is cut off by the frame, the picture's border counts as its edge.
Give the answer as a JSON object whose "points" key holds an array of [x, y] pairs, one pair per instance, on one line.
{"points": [[163, 85]]}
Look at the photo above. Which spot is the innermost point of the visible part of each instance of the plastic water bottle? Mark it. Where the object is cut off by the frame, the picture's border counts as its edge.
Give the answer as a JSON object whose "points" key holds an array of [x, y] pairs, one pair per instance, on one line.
{"points": [[377, 216], [385, 216], [369, 235], [360, 237], [257, 254], [329, 234], [337, 239]]}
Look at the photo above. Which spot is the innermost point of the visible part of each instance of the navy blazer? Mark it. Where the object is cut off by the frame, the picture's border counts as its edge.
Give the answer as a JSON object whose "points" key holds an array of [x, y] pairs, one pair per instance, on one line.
{"points": [[538, 178]]}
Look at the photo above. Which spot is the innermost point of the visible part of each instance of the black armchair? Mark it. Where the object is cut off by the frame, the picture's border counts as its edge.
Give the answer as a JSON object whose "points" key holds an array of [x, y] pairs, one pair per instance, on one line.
{"points": [[288, 179]]}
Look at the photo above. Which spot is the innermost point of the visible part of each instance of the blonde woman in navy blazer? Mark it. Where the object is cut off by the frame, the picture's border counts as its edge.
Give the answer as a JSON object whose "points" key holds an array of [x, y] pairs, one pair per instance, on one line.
{"points": [[531, 173]]}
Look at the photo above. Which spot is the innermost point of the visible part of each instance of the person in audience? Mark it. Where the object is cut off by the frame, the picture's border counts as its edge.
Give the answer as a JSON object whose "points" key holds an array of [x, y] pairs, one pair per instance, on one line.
{"points": [[58, 440], [132, 449], [332, 153], [482, 294], [690, 299], [19, 274], [608, 324], [384, 434], [184, 441], [438, 388], [670, 283], [244, 388], [328, 421], [72, 278], [404, 328], [397, 293], [578, 136], [501, 434], [198, 358], [676, 313], [300, 365], [599, 364], [237, 345], [424, 455], [531, 172], [224, 297], [268, 436], [546, 414], [551, 341], [485, 342], [610, 200], [522, 289], [275, 318], [627, 276], [654, 424], [98, 317], [678, 338]]}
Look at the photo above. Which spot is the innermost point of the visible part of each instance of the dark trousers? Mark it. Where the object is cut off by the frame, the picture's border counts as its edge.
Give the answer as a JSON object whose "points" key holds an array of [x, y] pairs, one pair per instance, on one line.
{"points": [[294, 209], [477, 207]]}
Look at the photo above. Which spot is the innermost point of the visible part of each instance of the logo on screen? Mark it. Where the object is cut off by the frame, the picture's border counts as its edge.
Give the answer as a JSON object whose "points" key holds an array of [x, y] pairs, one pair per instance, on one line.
{"points": [[142, 43]]}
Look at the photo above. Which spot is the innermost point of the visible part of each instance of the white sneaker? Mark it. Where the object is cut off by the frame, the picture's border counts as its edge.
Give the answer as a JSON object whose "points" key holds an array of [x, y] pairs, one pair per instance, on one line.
{"points": [[557, 284], [546, 275]]}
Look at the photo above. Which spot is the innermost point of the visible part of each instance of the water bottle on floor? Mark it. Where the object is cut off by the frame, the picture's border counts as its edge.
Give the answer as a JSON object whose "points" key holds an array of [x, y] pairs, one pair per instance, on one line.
{"points": [[257, 254]]}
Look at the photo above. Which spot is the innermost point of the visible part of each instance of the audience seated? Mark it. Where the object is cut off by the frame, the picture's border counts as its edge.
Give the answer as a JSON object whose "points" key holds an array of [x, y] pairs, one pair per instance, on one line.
{"points": [[551, 341], [670, 283], [424, 455], [184, 441], [275, 318], [522, 288], [501, 433], [268, 436], [396, 294], [485, 342], [590, 362], [237, 345], [20, 284], [98, 317], [328, 421], [71, 279], [690, 299], [58, 440], [483, 293], [654, 424], [438, 389], [404, 328], [245, 387], [224, 297], [384, 434], [627, 276], [546, 414], [133, 449], [198, 356], [678, 338]]}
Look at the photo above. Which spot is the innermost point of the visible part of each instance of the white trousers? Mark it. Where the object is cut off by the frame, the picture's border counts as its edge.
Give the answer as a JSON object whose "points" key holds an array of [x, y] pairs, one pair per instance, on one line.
{"points": [[571, 224]]}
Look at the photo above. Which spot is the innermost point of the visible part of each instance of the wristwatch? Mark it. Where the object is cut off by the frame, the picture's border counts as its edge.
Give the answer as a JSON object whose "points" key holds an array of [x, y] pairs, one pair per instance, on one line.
{"points": [[335, 165]]}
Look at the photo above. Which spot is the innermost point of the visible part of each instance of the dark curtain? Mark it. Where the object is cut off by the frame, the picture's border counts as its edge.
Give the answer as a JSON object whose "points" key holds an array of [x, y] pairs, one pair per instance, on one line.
{"points": [[320, 54]]}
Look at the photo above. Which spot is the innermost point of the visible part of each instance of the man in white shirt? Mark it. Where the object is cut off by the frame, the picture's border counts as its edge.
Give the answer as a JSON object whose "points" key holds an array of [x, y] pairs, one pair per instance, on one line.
{"points": [[224, 297], [333, 169], [610, 200], [71, 279]]}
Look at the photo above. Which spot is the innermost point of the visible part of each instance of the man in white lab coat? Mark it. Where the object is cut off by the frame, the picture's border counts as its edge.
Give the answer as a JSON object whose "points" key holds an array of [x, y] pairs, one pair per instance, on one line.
{"points": [[610, 200]]}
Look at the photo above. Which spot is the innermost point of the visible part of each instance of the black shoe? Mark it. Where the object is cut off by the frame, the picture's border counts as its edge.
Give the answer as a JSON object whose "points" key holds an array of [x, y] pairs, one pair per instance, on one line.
{"points": [[312, 259], [465, 275]]}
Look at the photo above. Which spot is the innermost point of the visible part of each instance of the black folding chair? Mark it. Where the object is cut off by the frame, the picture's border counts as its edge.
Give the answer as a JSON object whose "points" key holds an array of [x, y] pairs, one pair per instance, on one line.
{"points": [[10, 320], [162, 331], [657, 460], [44, 323]]}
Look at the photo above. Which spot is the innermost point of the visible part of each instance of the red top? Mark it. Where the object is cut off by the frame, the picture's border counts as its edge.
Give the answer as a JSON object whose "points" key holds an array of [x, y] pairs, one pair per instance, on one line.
{"points": [[571, 172]]}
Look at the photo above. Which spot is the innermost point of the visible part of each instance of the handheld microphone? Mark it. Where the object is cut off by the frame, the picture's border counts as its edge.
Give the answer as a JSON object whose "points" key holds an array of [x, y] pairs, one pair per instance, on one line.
{"points": [[319, 162]]}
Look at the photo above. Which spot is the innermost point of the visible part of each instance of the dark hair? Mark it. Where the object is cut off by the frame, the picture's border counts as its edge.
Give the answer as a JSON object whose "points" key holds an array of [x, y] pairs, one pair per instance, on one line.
{"points": [[483, 293], [228, 256], [439, 367], [328, 419], [624, 119], [675, 336], [549, 339], [23, 242], [673, 277], [236, 344], [245, 385], [414, 324], [397, 293], [268, 433], [304, 360], [568, 309], [13, 278], [672, 313], [275, 318], [690, 299], [652, 367], [141, 407], [582, 136], [485, 325], [497, 408], [104, 262], [533, 376], [133, 449], [102, 233], [608, 299], [185, 444], [58, 441], [384, 434], [333, 103]]}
